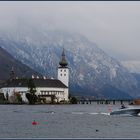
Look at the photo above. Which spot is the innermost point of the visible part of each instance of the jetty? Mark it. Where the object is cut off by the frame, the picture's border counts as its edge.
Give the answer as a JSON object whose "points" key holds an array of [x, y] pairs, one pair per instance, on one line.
{"points": [[103, 101]]}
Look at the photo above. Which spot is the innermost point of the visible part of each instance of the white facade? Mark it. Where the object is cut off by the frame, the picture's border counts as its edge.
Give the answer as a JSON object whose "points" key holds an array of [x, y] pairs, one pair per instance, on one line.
{"points": [[63, 75], [11, 90], [60, 93]]}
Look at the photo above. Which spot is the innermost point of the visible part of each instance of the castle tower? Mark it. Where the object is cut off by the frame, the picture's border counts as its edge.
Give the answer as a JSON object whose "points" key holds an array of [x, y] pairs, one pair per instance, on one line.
{"points": [[63, 70]]}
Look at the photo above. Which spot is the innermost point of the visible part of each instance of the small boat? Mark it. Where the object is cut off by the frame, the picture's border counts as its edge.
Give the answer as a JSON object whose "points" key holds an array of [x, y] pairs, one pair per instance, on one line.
{"points": [[126, 111]]}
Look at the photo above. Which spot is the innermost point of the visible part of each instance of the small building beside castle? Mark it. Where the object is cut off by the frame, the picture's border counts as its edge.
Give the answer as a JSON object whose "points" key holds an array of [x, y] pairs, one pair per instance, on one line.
{"points": [[45, 88]]}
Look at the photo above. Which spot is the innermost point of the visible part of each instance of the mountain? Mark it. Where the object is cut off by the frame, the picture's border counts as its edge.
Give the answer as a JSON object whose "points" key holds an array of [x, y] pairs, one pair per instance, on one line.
{"points": [[92, 71], [7, 61]]}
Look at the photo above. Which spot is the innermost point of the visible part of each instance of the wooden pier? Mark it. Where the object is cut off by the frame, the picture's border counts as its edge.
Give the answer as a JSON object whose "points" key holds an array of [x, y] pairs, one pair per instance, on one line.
{"points": [[89, 101]]}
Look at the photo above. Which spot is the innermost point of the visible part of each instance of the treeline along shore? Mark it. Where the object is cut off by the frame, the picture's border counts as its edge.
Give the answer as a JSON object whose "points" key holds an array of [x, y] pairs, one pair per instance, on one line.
{"points": [[72, 100]]}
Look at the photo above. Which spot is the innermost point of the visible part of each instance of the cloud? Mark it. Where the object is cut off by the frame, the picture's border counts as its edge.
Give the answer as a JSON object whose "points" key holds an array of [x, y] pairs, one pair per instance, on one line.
{"points": [[114, 26]]}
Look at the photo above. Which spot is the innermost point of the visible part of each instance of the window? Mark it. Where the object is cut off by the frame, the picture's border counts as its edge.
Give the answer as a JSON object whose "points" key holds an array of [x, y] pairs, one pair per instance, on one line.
{"points": [[41, 92], [19, 84], [61, 74], [64, 70], [64, 74]]}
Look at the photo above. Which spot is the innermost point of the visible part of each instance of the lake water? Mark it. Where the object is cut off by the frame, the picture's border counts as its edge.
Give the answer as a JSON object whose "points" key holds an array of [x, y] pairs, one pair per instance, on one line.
{"points": [[66, 121]]}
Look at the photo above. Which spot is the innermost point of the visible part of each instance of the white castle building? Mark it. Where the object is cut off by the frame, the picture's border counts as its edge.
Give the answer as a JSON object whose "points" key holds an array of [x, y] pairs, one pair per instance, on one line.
{"points": [[45, 88]]}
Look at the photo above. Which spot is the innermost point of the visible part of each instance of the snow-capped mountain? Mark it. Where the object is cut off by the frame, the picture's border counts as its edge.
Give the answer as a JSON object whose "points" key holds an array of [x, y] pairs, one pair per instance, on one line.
{"points": [[92, 71]]}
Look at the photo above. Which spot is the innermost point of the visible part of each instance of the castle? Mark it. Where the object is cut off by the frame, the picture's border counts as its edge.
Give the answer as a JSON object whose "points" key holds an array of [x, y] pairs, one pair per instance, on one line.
{"points": [[45, 88]]}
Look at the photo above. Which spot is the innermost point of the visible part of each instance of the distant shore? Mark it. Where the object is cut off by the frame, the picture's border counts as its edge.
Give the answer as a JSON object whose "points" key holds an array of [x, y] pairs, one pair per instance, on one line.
{"points": [[78, 102]]}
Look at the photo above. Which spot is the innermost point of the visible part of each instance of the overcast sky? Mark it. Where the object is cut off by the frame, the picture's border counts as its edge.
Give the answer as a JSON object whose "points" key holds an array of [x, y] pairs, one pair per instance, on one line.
{"points": [[113, 26]]}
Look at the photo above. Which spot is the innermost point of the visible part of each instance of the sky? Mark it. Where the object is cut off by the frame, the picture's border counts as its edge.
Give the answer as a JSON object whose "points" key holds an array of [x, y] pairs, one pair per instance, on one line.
{"points": [[113, 25]]}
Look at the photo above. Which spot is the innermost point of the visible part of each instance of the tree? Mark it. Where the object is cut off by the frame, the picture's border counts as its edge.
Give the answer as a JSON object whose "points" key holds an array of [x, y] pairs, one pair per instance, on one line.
{"points": [[31, 86], [53, 99], [32, 98], [19, 98], [73, 100], [2, 98], [15, 98], [7, 96]]}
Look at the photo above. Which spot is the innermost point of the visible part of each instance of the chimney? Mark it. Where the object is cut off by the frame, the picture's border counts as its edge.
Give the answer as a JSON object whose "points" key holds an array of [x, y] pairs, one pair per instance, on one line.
{"points": [[33, 77], [44, 77]]}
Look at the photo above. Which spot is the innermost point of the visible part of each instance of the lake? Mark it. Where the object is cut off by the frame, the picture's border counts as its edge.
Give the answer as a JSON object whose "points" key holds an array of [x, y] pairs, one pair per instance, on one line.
{"points": [[66, 121]]}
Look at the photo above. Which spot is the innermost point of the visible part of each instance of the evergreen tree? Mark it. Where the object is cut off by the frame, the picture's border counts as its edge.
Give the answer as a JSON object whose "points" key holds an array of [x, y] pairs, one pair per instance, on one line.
{"points": [[7, 96], [31, 86], [32, 98], [73, 100]]}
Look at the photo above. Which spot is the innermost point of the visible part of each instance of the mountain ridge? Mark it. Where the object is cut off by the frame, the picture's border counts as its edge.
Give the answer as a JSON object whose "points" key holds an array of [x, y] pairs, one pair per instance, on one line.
{"points": [[7, 61], [91, 69]]}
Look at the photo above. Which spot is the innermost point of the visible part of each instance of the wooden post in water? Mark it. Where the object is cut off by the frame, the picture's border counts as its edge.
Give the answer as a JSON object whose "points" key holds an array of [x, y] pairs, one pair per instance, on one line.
{"points": [[113, 102], [90, 101]]}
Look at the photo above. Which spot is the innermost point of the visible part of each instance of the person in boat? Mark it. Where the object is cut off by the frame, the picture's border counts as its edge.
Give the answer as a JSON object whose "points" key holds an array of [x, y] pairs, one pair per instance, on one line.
{"points": [[123, 106]]}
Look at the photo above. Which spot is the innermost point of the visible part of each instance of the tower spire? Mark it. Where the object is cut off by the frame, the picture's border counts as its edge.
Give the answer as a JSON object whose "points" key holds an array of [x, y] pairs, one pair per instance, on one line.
{"points": [[63, 62]]}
